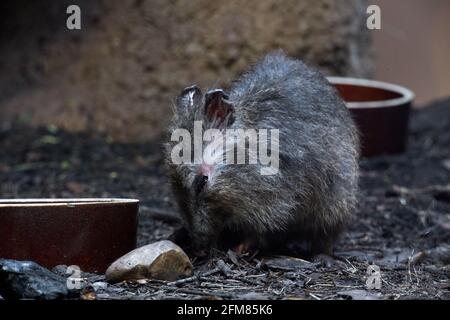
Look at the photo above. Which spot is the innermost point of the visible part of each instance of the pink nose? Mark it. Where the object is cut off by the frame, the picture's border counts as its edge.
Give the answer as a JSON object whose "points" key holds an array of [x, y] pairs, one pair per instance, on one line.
{"points": [[206, 169]]}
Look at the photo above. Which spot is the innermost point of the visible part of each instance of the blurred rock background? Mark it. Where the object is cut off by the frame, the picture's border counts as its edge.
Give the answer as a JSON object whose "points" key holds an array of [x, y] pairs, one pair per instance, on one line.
{"points": [[120, 73], [413, 47]]}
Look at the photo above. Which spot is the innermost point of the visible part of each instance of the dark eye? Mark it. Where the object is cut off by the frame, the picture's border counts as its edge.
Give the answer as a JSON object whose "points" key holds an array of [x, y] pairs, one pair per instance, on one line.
{"points": [[200, 182]]}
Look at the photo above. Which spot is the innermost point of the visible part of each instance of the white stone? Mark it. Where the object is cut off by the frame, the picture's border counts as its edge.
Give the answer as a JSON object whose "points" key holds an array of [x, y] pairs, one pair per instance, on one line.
{"points": [[162, 260]]}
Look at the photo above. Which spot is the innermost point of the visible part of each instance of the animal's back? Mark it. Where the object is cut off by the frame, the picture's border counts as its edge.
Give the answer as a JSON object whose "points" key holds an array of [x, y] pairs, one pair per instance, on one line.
{"points": [[318, 141], [312, 195]]}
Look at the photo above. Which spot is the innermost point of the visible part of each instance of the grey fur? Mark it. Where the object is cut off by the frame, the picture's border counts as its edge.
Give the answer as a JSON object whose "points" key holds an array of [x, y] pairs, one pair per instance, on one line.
{"points": [[314, 193]]}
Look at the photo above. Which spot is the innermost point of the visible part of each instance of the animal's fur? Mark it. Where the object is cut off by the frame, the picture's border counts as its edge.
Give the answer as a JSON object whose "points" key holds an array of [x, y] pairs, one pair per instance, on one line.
{"points": [[314, 193]]}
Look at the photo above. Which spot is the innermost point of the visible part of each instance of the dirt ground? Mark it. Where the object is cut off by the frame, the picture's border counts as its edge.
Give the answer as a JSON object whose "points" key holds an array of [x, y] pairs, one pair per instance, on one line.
{"points": [[402, 223]]}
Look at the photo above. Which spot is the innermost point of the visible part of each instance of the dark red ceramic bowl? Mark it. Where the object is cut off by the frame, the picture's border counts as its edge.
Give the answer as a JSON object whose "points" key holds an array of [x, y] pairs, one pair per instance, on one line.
{"points": [[381, 111], [89, 233]]}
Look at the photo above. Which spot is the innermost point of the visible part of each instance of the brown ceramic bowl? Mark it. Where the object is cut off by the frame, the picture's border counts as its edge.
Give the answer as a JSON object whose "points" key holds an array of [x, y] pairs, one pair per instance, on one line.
{"points": [[89, 233], [381, 111]]}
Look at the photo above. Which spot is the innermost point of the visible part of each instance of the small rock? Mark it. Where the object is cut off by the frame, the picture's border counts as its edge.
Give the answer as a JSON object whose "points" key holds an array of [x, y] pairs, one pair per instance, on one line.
{"points": [[28, 280], [162, 260]]}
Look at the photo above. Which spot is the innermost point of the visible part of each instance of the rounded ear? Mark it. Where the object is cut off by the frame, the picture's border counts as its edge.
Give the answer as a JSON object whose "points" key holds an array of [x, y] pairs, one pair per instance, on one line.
{"points": [[190, 97], [217, 107]]}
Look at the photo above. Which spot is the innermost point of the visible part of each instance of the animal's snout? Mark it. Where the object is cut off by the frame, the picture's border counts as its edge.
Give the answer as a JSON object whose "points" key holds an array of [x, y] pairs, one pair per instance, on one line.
{"points": [[205, 170], [202, 177]]}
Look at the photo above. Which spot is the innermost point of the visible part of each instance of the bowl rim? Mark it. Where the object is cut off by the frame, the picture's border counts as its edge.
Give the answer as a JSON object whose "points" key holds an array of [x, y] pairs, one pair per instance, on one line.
{"points": [[64, 202], [407, 96]]}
